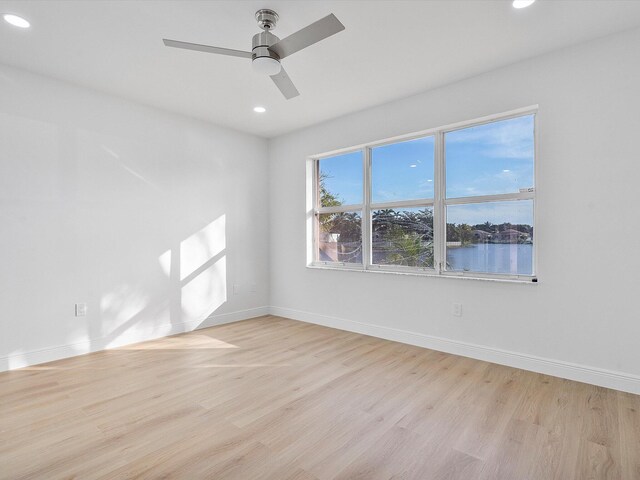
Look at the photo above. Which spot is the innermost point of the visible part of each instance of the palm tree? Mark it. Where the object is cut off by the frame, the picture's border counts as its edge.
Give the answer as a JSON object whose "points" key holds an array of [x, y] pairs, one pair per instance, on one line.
{"points": [[406, 236]]}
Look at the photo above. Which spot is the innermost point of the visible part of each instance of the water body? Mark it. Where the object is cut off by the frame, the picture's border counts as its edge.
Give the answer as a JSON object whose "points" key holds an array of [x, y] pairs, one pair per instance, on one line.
{"points": [[492, 258]]}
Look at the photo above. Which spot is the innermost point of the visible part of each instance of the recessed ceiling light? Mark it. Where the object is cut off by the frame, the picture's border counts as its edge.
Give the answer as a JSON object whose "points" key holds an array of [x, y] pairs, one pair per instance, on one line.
{"points": [[16, 21], [522, 3], [259, 109], [413, 165], [506, 171]]}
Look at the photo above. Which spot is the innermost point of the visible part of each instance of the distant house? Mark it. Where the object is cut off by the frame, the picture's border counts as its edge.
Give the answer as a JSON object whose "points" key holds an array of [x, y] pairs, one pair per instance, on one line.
{"points": [[510, 236], [328, 247], [480, 236]]}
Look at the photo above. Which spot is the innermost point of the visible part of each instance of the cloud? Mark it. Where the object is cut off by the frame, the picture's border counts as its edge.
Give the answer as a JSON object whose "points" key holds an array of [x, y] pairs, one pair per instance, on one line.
{"points": [[512, 138], [490, 183]]}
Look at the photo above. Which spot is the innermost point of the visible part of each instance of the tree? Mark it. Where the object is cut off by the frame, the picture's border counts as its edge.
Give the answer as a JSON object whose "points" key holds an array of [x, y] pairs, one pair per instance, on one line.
{"points": [[346, 225], [383, 220], [404, 237], [462, 233], [327, 199]]}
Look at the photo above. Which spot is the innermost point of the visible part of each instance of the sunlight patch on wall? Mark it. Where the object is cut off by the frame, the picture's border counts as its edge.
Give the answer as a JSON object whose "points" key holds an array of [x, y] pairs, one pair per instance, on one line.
{"points": [[165, 262], [121, 305], [110, 152], [201, 247], [206, 292], [16, 360], [139, 333], [130, 170], [129, 315]]}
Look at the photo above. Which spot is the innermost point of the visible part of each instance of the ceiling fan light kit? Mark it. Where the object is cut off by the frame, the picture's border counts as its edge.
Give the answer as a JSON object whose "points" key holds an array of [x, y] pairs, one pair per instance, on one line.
{"points": [[266, 66], [263, 60], [267, 50]]}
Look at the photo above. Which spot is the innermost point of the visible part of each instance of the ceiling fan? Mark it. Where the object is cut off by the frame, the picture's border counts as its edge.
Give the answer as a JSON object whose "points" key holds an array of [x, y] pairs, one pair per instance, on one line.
{"points": [[267, 49]]}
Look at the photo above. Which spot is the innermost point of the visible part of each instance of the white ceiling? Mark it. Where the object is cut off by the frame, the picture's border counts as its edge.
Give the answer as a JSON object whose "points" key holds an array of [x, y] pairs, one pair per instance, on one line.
{"points": [[389, 50]]}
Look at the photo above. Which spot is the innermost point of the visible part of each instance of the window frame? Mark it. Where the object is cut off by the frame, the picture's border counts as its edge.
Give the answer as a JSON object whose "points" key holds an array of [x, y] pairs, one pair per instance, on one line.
{"points": [[439, 203]]}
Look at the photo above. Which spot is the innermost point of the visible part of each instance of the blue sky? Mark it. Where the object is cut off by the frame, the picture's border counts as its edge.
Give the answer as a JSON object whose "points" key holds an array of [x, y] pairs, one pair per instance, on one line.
{"points": [[344, 176], [490, 159], [483, 160], [402, 171]]}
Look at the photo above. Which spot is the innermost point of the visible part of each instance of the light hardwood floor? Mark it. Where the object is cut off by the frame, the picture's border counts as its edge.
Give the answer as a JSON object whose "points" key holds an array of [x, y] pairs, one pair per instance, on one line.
{"points": [[272, 398]]}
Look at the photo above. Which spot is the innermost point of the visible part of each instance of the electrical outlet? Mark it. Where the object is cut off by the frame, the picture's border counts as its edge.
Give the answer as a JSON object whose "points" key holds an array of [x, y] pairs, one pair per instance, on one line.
{"points": [[457, 309], [236, 289], [81, 309], [253, 288]]}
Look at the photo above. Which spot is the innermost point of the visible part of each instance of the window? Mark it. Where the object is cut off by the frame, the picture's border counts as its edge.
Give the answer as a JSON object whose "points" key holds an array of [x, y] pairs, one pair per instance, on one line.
{"points": [[454, 201], [402, 203], [489, 197], [340, 204]]}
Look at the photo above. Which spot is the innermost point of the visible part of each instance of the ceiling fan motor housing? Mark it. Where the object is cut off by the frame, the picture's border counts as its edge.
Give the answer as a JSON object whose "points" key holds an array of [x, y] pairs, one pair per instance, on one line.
{"points": [[261, 43]]}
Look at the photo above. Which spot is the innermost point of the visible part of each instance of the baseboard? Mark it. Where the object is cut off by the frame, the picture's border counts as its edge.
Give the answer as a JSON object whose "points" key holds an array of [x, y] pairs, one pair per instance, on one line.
{"points": [[596, 376], [230, 317], [35, 357]]}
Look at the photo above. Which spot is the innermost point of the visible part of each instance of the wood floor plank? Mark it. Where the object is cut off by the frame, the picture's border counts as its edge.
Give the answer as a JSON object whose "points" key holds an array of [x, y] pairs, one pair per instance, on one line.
{"points": [[276, 399], [629, 430]]}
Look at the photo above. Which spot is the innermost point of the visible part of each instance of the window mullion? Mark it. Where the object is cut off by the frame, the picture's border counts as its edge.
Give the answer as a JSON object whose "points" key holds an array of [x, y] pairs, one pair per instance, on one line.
{"points": [[439, 220], [366, 210], [501, 197], [316, 203], [340, 209], [403, 204]]}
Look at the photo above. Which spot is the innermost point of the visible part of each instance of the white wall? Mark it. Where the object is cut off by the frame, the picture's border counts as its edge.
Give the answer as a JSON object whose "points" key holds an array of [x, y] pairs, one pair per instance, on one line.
{"points": [[582, 320], [94, 191], [150, 218]]}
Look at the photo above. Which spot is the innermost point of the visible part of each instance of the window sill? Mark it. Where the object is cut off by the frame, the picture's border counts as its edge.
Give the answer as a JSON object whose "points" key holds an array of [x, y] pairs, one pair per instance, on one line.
{"points": [[413, 273]]}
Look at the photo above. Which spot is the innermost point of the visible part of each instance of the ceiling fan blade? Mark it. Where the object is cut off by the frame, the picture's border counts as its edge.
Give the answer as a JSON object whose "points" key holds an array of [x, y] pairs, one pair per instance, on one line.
{"points": [[323, 28], [284, 83], [206, 48]]}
